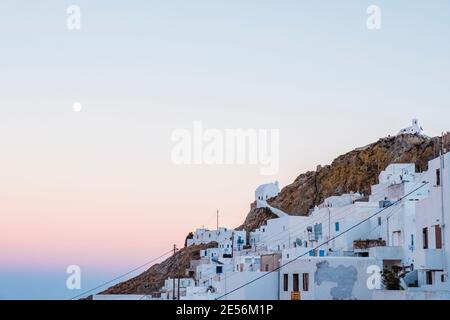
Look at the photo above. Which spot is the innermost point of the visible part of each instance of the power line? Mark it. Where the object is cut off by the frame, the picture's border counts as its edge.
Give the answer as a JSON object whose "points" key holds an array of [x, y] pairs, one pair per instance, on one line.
{"points": [[326, 242], [121, 276]]}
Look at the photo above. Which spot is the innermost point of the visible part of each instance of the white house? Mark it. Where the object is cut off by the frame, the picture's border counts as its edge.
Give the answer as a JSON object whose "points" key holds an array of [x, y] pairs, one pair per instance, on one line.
{"points": [[206, 274], [249, 262], [277, 234], [391, 180]]}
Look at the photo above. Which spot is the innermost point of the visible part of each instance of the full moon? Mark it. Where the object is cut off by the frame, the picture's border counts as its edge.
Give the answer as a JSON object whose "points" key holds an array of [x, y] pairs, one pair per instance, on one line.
{"points": [[77, 107]]}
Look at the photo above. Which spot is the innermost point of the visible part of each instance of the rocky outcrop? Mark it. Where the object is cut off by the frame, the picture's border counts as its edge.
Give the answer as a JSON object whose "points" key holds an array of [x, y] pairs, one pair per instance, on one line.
{"points": [[354, 171], [152, 280]]}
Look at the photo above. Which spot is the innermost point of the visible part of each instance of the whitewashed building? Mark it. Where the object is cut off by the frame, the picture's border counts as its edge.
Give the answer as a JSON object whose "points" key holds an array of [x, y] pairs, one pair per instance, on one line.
{"points": [[228, 239]]}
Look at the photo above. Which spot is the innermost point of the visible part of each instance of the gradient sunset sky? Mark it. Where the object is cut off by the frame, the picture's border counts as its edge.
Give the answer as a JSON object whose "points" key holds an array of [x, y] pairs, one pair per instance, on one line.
{"points": [[97, 188]]}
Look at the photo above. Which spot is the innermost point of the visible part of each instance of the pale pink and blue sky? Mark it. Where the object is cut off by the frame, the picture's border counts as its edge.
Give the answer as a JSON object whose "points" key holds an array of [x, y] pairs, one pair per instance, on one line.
{"points": [[98, 189]]}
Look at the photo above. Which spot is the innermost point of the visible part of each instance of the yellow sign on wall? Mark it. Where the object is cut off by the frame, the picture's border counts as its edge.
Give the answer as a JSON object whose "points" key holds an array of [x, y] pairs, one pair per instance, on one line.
{"points": [[295, 295]]}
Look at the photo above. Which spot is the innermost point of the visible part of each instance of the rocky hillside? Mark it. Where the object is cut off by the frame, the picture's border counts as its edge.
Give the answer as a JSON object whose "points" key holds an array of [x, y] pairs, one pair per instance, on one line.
{"points": [[354, 171], [152, 280]]}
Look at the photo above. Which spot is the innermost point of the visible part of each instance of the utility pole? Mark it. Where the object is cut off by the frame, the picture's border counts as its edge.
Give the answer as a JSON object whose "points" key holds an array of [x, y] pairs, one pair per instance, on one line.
{"points": [[173, 284]]}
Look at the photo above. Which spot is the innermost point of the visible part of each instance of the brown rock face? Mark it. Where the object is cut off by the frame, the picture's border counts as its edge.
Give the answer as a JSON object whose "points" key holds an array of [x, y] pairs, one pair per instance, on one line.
{"points": [[150, 281], [354, 171]]}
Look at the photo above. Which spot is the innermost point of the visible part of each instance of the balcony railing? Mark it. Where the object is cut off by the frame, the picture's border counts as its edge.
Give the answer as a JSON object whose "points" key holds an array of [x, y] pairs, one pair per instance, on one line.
{"points": [[368, 243]]}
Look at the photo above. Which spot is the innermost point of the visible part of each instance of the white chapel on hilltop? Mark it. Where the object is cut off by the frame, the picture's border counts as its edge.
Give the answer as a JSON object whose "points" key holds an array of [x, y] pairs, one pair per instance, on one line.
{"points": [[415, 128]]}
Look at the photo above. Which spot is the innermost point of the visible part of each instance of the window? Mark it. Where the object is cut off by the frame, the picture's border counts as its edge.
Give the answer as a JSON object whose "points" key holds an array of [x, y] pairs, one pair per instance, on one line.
{"points": [[311, 253], [219, 269], [321, 253], [267, 267], [412, 241], [317, 231], [438, 234], [295, 282], [379, 221], [336, 227], [429, 277], [438, 177], [305, 278], [425, 238], [285, 282]]}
